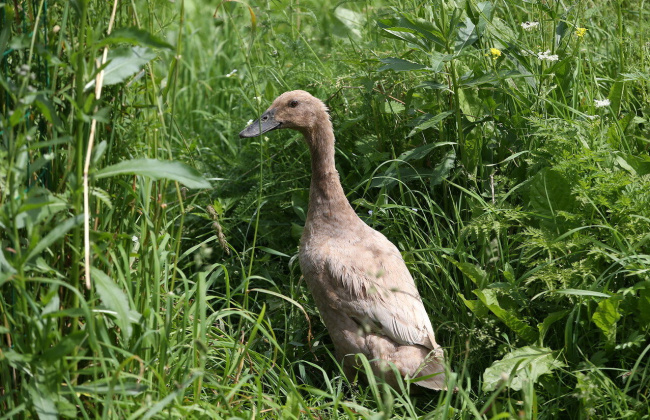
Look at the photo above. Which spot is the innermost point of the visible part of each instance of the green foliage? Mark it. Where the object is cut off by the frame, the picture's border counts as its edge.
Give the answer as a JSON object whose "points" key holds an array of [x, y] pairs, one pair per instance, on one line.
{"points": [[483, 148]]}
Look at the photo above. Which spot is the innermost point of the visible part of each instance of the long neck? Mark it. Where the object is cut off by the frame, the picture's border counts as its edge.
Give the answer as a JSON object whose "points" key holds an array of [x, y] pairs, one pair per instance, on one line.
{"points": [[326, 197]]}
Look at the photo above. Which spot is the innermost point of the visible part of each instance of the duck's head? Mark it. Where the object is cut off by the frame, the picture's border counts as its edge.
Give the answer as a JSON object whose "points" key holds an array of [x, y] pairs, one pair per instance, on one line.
{"points": [[297, 110]]}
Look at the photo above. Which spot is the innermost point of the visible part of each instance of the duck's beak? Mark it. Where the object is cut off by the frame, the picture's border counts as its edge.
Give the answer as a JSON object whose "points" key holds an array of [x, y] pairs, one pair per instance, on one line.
{"points": [[265, 124]]}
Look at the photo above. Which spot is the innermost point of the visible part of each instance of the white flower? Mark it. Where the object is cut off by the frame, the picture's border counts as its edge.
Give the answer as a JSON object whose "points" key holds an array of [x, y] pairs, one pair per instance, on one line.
{"points": [[249, 122], [258, 99], [231, 73], [603, 103], [370, 212], [134, 239], [415, 210], [529, 26], [546, 55], [592, 117]]}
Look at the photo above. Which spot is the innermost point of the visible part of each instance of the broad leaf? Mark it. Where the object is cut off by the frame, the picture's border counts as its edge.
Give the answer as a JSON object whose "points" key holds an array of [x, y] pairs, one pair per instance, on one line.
{"points": [[352, 21], [398, 64], [644, 306], [442, 169], [421, 152], [157, 169], [466, 35], [509, 317], [134, 36], [123, 63], [39, 205], [523, 365], [5, 267], [475, 273], [54, 235], [63, 347], [115, 299], [41, 398], [606, 316], [429, 121], [476, 306], [615, 96], [548, 193], [550, 320]]}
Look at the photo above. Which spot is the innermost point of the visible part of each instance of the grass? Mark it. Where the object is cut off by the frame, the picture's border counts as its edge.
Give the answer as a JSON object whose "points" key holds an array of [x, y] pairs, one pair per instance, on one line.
{"points": [[518, 198]]}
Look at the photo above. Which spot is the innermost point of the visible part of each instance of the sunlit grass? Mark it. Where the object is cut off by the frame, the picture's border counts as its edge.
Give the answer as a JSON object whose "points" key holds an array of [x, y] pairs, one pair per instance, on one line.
{"points": [[514, 184]]}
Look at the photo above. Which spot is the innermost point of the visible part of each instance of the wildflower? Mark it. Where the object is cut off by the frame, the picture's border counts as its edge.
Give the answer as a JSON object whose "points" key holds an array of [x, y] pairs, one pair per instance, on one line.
{"points": [[580, 32], [231, 73], [134, 239], [546, 55], [258, 99], [602, 103], [370, 212], [495, 53], [529, 26], [249, 122]]}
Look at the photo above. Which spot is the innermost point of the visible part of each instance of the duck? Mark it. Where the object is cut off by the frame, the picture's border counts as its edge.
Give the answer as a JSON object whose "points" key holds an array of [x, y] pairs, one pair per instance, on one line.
{"points": [[359, 281]]}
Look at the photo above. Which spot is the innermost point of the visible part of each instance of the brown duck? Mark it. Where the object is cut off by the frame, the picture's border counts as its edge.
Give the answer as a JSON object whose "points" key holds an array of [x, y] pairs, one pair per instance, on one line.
{"points": [[361, 286]]}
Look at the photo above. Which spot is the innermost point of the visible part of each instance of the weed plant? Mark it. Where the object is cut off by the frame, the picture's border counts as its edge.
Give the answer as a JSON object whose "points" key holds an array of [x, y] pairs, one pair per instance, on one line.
{"points": [[502, 146]]}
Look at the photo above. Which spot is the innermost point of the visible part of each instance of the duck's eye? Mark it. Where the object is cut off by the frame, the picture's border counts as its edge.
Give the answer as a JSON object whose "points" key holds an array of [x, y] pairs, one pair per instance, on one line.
{"points": [[293, 104]]}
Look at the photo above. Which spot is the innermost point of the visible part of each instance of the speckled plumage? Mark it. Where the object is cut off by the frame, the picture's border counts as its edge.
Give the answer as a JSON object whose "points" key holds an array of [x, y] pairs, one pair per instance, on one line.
{"points": [[359, 281]]}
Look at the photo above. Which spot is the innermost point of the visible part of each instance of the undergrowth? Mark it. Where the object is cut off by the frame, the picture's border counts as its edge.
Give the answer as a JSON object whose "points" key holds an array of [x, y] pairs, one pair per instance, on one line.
{"points": [[502, 146]]}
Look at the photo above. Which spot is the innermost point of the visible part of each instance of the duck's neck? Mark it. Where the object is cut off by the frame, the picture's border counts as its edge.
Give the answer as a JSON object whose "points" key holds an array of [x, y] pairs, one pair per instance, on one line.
{"points": [[326, 197]]}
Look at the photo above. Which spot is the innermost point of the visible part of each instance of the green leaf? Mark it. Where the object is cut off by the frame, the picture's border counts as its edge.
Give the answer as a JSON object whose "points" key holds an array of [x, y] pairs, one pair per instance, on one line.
{"points": [[470, 103], [550, 320], [475, 273], [520, 366], [419, 32], [352, 21], [615, 96], [637, 165], [486, 12], [466, 35], [398, 64], [393, 107], [157, 169], [605, 318], [115, 299], [123, 387], [5, 267], [429, 121], [580, 292], [644, 306], [39, 205], [509, 317], [63, 348], [476, 306], [421, 152], [123, 63], [54, 235], [41, 397], [548, 193], [134, 36], [442, 169], [273, 251], [47, 109]]}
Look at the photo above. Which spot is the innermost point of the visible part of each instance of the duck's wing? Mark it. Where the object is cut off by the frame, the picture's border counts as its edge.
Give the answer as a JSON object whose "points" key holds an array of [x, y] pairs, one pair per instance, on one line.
{"points": [[373, 286]]}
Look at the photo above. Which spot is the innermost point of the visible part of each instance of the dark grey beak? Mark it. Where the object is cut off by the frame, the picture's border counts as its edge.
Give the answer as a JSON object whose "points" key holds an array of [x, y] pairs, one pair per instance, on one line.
{"points": [[265, 124]]}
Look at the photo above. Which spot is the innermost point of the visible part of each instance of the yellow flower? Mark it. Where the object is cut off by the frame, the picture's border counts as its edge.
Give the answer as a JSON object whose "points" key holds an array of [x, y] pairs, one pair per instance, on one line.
{"points": [[495, 52], [580, 32]]}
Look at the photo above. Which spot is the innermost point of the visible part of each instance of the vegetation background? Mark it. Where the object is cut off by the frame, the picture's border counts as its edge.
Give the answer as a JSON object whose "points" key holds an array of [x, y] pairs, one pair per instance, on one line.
{"points": [[501, 145]]}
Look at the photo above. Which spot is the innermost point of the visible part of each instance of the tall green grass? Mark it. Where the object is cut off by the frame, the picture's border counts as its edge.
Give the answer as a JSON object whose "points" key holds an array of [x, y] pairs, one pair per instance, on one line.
{"points": [[519, 204]]}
